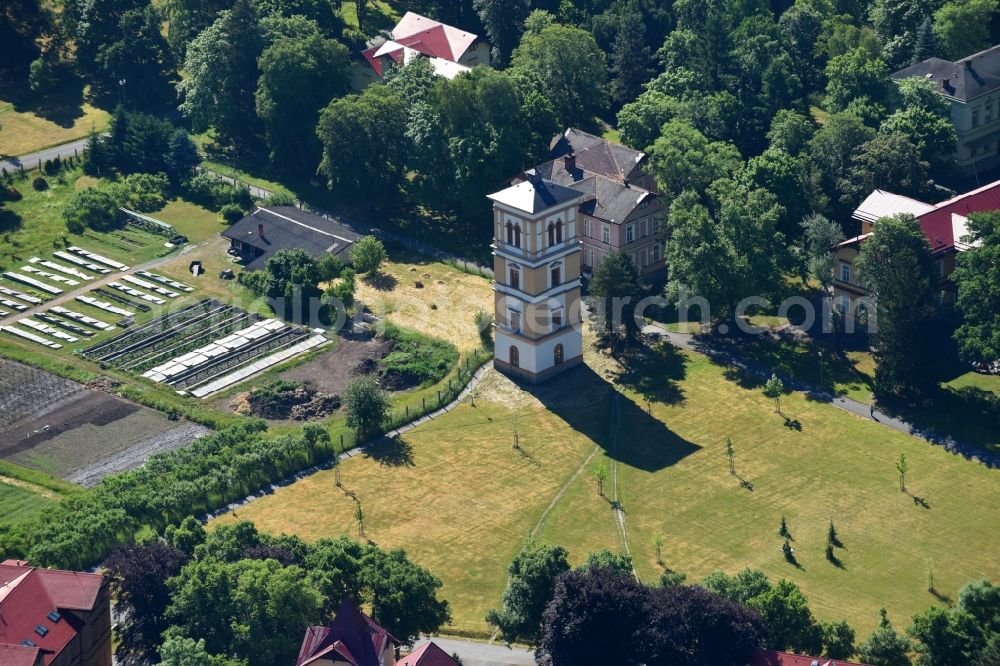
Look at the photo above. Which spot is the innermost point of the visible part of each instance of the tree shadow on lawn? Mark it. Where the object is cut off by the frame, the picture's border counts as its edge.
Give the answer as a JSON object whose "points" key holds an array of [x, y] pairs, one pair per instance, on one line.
{"points": [[380, 281], [62, 106], [391, 452], [653, 372], [584, 400]]}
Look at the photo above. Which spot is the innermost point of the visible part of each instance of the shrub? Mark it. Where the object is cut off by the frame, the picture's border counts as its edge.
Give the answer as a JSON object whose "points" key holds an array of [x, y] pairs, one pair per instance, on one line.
{"points": [[367, 406], [330, 267], [211, 192], [91, 209], [146, 192], [40, 184], [484, 324], [10, 193], [368, 254], [416, 360], [232, 213], [281, 198]]}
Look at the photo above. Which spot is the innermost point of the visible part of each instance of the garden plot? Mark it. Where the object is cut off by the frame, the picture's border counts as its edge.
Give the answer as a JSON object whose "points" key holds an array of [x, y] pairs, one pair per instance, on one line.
{"points": [[65, 325], [47, 330], [82, 318], [179, 286], [206, 344], [25, 335], [148, 286], [20, 295], [105, 306], [135, 293], [97, 259], [50, 276], [32, 282], [65, 429], [73, 259], [12, 305], [119, 297], [66, 270]]}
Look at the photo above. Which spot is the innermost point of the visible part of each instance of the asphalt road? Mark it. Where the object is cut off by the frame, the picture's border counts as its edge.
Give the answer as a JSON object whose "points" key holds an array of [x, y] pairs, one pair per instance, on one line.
{"points": [[31, 161], [474, 653]]}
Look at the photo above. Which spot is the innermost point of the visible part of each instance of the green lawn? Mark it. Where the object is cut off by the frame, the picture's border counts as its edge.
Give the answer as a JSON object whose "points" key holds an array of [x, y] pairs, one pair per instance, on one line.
{"points": [[987, 383], [17, 504], [460, 499]]}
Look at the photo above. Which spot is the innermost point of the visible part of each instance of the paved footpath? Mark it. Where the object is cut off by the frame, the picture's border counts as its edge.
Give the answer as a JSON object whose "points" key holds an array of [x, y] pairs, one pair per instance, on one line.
{"points": [[729, 357], [31, 160]]}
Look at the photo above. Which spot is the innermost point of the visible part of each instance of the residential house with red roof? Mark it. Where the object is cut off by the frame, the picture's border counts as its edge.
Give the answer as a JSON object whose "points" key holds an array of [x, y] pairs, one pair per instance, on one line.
{"points": [[450, 50], [428, 654], [620, 208], [50, 617], [943, 224], [354, 639]]}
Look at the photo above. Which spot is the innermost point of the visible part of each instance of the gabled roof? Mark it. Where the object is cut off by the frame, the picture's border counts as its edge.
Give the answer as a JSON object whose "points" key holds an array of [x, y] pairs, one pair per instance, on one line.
{"points": [[352, 637], [605, 198], [428, 654], [449, 42], [535, 195], [27, 598], [965, 79], [286, 228], [443, 45], [772, 658], [20, 655], [943, 224], [598, 155]]}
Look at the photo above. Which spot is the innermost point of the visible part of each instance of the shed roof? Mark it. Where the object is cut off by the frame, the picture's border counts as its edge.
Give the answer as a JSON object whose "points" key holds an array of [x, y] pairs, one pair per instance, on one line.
{"points": [[288, 228], [428, 654]]}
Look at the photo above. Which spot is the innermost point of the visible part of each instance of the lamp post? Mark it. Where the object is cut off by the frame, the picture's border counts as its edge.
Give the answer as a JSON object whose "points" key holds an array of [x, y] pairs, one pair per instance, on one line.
{"points": [[820, 355]]}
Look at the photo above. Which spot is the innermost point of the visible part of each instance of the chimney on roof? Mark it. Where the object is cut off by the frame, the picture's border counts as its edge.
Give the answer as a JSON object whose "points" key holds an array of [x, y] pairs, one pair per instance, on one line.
{"points": [[260, 229], [569, 161]]}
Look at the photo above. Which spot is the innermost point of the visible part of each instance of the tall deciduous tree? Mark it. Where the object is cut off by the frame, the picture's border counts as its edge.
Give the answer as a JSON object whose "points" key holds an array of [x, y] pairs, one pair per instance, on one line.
{"points": [[889, 162], [533, 573], [682, 158], [855, 74], [977, 277], [364, 142], [962, 27], [221, 74], [821, 235], [895, 263], [503, 21], [571, 69], [138, 576], [367, 406], [725, 257], [298, 77]]}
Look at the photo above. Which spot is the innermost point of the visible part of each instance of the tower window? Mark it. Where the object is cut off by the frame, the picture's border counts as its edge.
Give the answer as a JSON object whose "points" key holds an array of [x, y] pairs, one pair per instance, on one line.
{"points": [[556, 275], [558, 355], [515, 356], [515, 277]]}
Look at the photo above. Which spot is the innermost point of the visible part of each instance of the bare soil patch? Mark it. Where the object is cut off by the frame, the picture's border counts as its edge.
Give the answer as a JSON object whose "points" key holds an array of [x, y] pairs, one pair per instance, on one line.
{"points": [[61, 428], [333, 371], [298, 402]]}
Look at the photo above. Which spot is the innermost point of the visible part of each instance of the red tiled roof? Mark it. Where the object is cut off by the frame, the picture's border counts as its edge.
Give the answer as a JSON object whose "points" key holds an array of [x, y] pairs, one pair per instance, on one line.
{"points": [[937, 225], [352, 635], [771, 658], [18, 655], [428, 654], [28, 595], [426, 36]]}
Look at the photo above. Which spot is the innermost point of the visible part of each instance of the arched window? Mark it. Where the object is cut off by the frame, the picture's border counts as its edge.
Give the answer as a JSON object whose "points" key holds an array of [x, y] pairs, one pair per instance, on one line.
{"points": [[510, 233], [517, 235], [558, 353], [559, 231], [515, 356], [552, 234], [555, 274]]}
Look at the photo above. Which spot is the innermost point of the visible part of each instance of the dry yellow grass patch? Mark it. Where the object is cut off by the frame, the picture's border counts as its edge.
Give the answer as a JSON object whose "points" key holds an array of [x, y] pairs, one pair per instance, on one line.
{"points": [[456, 295], [24, 132], [454, 494]]}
